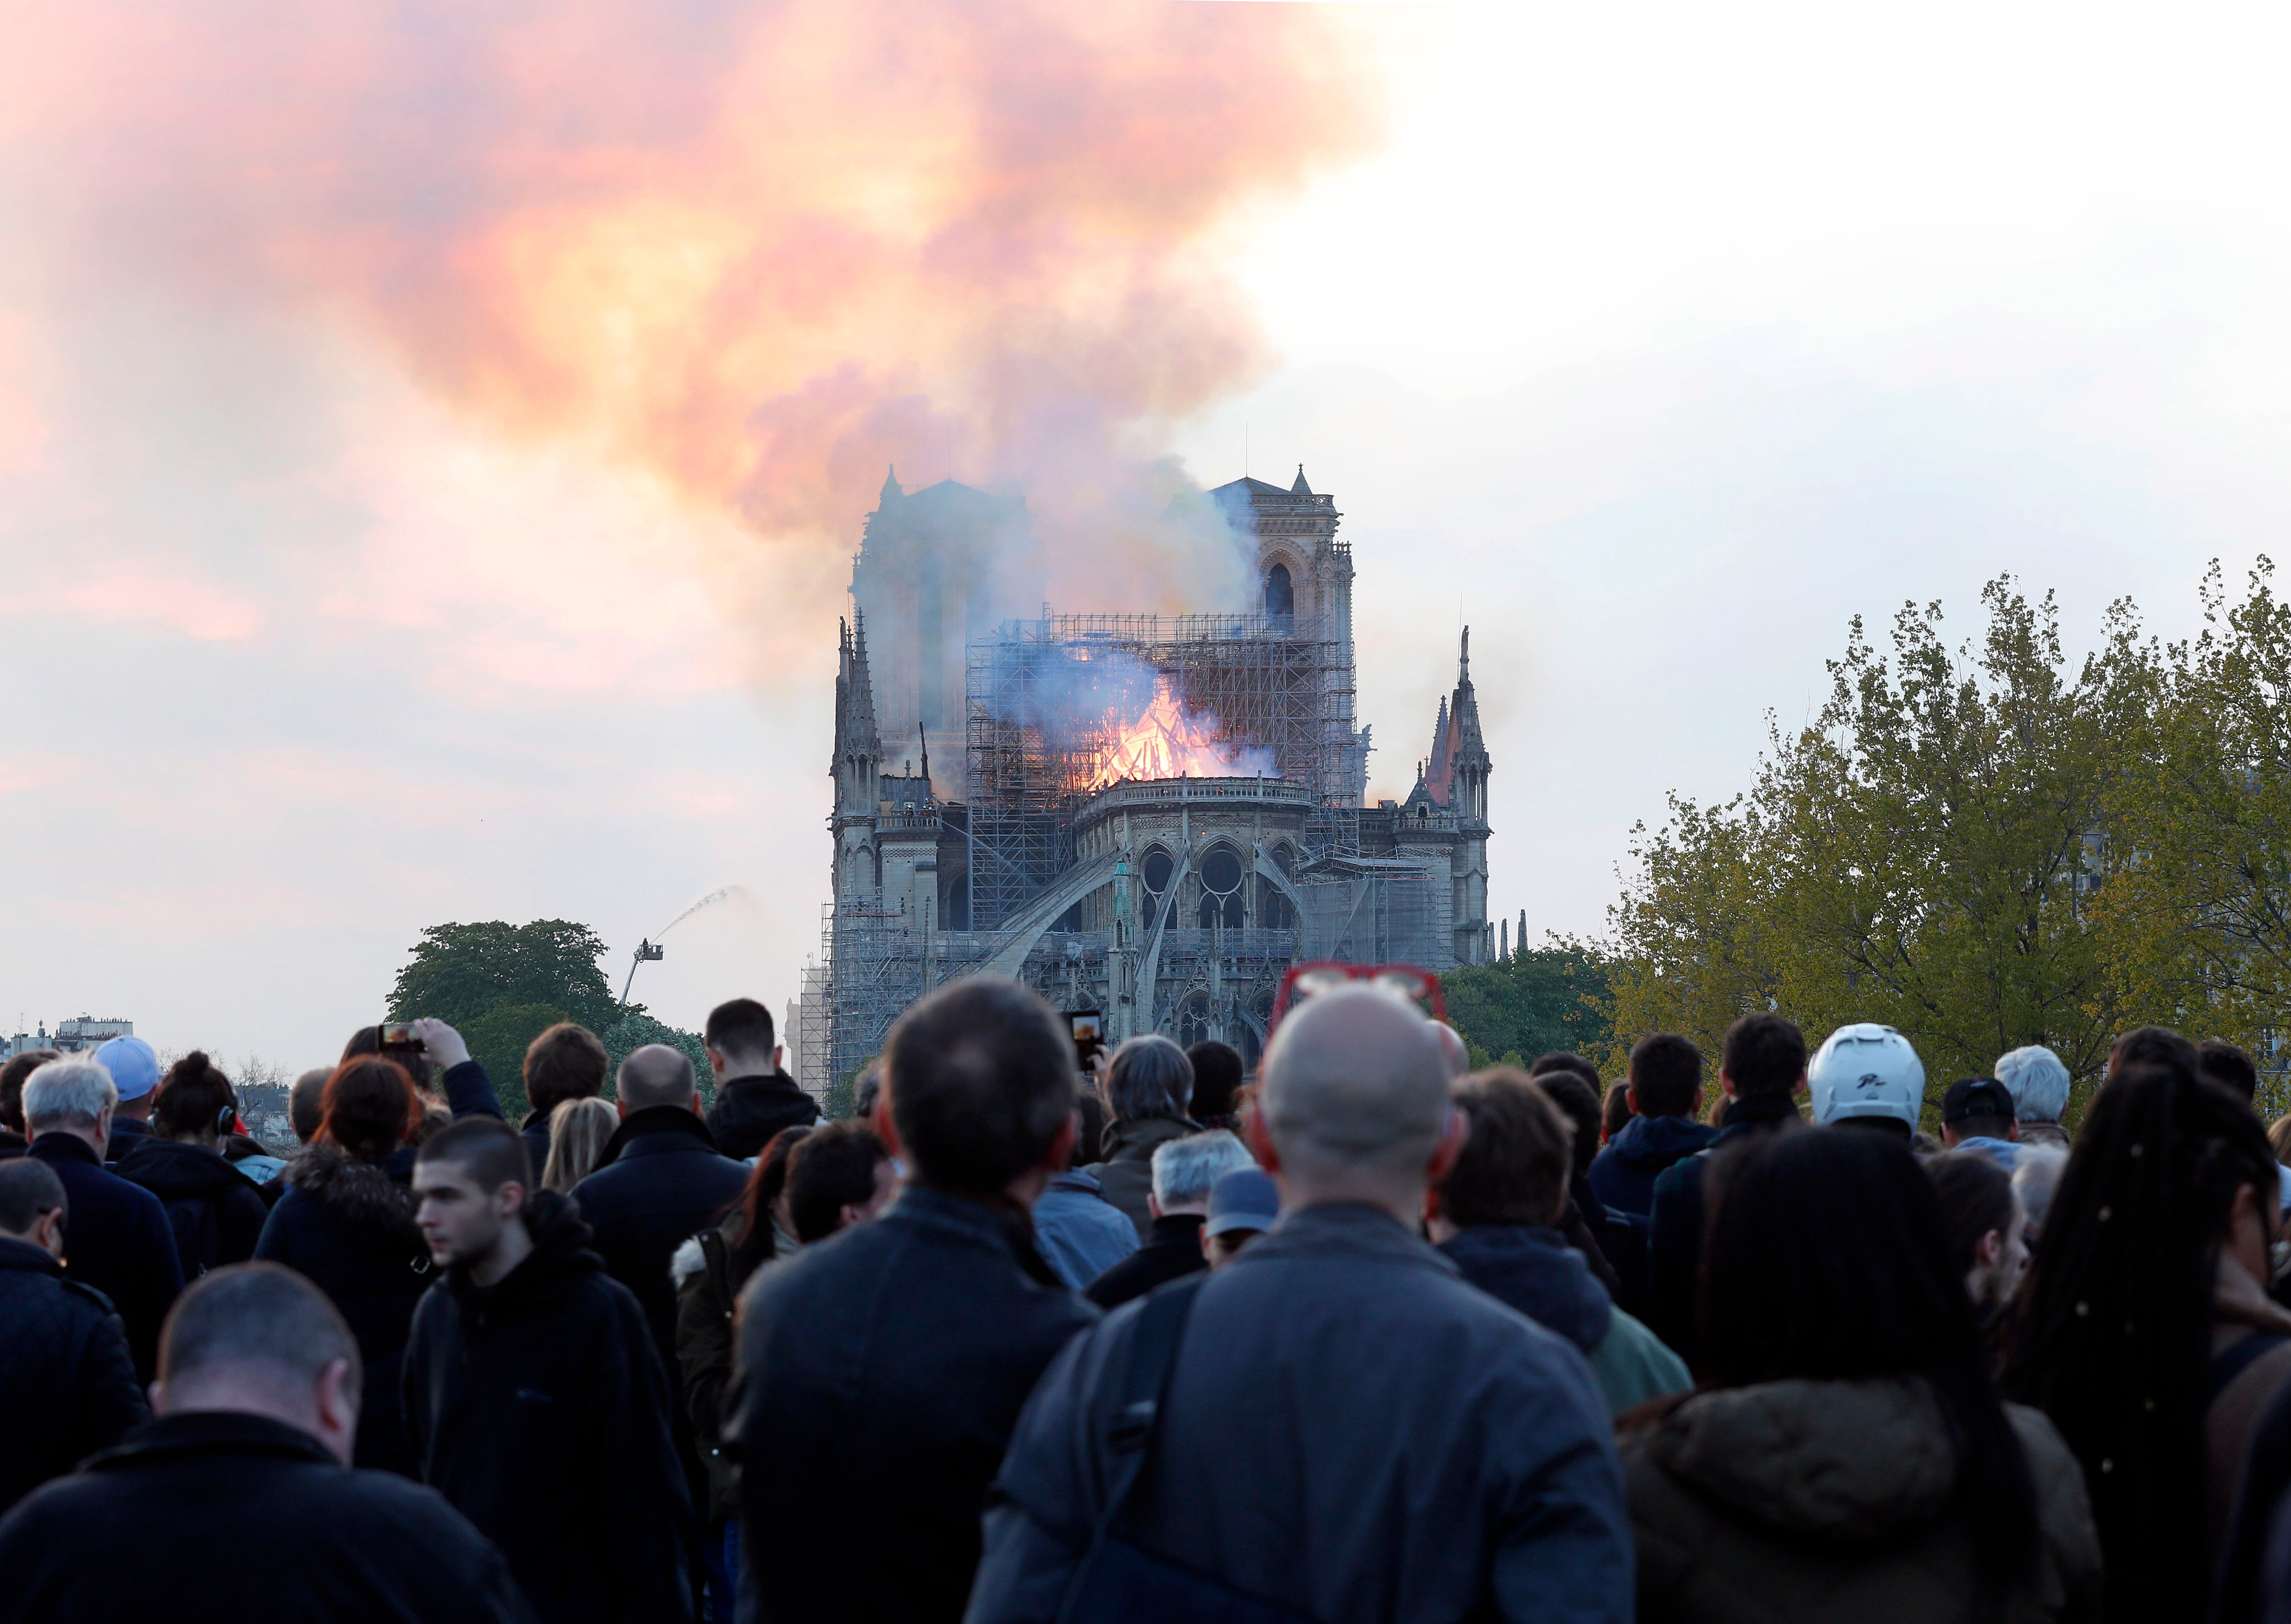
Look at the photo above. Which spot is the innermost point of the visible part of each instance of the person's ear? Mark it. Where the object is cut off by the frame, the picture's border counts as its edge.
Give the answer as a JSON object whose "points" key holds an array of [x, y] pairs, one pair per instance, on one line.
{"points": [[1260, 1144], [886, 1130], [509, 1200], [1987, 1250], [1452, 1135], [1153, 1203], [1062, 1145], [779, 1057], [621, 1104], [697, 1108], [1631, 1095], [48, 1232], [336, 1401]]}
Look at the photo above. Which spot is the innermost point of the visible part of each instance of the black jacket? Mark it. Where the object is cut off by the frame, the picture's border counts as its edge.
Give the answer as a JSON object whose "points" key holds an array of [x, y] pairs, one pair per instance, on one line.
{"points": [[535, 1135], [128, 1134], [750, 1110], [244, 1520], [215, 1210], [880, 1373], [64, 1367], [1622, 1176], [540, 1410], [659, 1182], [1172, 1249], [1675, 1237], [348, 1227], [116, 1239]]}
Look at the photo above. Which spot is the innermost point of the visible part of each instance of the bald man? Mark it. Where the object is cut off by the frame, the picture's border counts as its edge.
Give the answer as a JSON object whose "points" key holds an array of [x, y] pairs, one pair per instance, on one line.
{"points": [[659, 1182], [1350, 1432]]}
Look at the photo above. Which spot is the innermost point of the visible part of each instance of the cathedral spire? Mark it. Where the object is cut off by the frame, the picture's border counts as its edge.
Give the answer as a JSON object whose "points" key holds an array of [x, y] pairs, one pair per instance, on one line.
{"points": [[928, 793], [891, 492]]}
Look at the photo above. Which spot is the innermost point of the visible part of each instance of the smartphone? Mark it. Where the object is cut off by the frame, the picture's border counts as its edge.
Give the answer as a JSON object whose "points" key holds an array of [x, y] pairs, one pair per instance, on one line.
{"points": [[1089, 1028], [399, 1038]]}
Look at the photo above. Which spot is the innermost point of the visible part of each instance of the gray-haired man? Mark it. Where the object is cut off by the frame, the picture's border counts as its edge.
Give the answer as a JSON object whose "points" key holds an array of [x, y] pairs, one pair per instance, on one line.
{"points": [[1184, 1170], [1351, 1432]]}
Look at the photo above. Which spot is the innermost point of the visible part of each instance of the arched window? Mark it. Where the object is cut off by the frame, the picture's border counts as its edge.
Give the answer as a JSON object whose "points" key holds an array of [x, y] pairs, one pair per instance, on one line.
{"points": [[1273, 906], [1194, 1020], [1280, 592], [1221, 898], [1154, 871]]}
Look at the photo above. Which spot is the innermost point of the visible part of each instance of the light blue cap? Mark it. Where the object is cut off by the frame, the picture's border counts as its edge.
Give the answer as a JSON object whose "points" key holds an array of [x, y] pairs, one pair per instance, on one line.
{"points": [[133, 1066]]}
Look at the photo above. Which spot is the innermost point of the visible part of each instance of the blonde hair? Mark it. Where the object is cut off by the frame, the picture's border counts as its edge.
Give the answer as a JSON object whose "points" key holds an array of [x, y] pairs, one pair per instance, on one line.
{"points": [[578, 1130]]}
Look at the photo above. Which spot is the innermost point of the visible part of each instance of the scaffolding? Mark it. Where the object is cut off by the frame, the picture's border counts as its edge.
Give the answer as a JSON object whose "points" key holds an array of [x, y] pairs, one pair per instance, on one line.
{"points": [[1046, 697]]}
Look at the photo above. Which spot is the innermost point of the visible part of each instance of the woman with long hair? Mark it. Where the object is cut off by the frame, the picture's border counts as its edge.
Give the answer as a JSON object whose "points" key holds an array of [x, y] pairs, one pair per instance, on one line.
{"points": [[1847, 1457], [578, 1130], [2144, 1329], [711, 1270], [347, 1223], [216, 1212]]}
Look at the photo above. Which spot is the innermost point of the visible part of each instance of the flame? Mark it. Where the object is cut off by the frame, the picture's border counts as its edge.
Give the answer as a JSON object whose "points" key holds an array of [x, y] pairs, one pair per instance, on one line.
{"points": [[1171, 742]]}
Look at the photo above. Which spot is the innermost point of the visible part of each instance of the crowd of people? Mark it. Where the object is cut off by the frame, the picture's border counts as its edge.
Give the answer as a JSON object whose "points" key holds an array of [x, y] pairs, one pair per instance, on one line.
{"points": [[1373, 1337]]}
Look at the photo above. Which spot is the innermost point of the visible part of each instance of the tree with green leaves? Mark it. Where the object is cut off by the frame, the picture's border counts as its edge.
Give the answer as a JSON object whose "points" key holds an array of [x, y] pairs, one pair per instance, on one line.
{"points": [[1534, 1003], [458, 972], [502, 985], [1924, 855]]}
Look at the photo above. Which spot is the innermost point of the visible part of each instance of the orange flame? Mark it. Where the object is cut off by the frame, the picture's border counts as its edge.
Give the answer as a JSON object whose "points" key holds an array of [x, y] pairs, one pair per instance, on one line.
{"points": [[1171, 742]]}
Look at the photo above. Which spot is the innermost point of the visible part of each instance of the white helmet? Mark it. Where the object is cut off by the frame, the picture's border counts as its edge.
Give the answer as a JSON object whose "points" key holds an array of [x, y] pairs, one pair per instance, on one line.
{"points": [[1867, 1070]]}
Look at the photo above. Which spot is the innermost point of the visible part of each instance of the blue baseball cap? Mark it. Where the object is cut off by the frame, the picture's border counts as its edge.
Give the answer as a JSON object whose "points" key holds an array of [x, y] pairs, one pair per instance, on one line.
{"points": [[135, 1068], [1246, 1198]]}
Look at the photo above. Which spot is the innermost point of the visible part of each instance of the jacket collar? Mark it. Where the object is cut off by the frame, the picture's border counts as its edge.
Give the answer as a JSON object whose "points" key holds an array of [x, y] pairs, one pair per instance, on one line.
{"points": [[560, 1252], [1178, 1229], [1077, 1178], [212, 1431], [1534, 1270], [1345, 1231], [1650, 1138], [656, 1129], [1753, 1111], [774, 1082], [64, 1147], [23, 1257], [1008, 1229]]}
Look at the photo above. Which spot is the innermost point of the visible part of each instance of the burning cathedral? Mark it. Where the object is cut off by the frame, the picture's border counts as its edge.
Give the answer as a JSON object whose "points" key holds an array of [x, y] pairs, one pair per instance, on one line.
{"points": [[1149, 816]]}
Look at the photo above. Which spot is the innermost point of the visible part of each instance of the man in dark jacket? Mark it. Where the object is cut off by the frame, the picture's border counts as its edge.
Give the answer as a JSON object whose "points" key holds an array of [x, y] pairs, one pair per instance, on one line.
{"points": [[533, 1396], [882, 1371], [1184, 1171], [659, 1182], [1666, 1091], [754, 1097], [257, 1403], [117, 1238], [68, 1382], [1351, 1433], [135, 1068], [567, 1062], [1762, 1070]]}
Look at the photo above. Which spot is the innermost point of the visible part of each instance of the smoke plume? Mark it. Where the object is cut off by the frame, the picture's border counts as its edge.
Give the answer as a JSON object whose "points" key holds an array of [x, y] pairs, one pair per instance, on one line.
{"points": [[756, 251]]}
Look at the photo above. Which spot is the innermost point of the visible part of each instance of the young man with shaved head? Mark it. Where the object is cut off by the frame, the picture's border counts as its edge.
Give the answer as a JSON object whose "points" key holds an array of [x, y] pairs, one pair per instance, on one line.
{"points": [[1346, 1430], [258, 1403], [534, 1396]]}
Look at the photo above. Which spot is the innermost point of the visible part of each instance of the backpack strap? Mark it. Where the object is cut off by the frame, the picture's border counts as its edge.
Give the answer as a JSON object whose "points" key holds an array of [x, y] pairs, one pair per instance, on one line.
{"points": [[1145, 1389]]}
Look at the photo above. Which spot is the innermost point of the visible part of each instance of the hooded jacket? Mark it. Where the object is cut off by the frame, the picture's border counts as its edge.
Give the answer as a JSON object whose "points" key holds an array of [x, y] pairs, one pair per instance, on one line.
{"points": [[1622, 1175], [1535, 1271], [749, 1110], [216, 1212], [538, 1407], [65, 1368], [1125, 1176], [348, 1227], [1823, 1501], [116, 1239], [221, 1515]]}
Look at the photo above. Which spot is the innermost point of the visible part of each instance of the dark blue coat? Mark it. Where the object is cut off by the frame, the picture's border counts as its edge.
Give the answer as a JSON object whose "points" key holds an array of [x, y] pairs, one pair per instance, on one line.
{"points": [[882, 1369], [1675, 1237], [69, 1383], [218, 1514], [659, 1182], [116, 1239], [749, 1112], [1352, 1432], [1535, 1271], [1622, 1176]]}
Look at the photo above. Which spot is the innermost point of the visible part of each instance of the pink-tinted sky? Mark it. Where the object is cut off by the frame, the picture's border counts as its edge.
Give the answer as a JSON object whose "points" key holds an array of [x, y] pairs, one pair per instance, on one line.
{"points": [[432, 438]]}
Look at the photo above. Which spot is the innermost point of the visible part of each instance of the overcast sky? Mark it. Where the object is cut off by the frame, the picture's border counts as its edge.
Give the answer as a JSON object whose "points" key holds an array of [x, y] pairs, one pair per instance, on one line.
{"points": [[363, 572]]}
